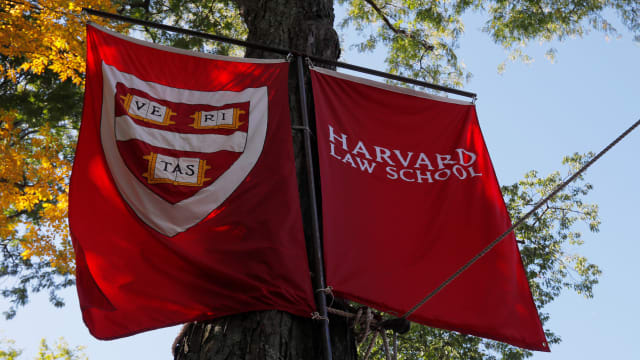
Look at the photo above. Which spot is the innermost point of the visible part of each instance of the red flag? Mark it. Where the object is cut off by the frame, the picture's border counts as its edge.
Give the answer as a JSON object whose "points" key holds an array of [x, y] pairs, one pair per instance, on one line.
{"points": [[409, 196], [183, 201]]}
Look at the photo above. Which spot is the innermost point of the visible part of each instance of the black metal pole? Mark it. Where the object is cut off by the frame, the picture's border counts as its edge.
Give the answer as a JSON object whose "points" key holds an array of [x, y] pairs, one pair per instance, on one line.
{"points": [[278, 51], [318, 267], [179, 30], [393, 77]]}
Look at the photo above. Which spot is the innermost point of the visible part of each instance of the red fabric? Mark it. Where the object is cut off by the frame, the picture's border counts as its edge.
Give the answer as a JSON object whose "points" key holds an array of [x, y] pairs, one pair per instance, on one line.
{"points": [[397, 224], [247, 254]]}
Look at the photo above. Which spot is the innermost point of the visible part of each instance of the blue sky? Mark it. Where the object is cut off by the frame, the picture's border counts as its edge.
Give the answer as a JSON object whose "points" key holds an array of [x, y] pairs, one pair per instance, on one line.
{"points": [[534, 114], [531, 116]]}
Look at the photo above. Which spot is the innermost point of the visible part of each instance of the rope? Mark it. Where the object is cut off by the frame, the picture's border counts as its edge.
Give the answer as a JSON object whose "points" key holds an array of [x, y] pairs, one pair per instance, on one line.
{"points": [[370, 323], [374, 326], [327, 291], [316, 316], [521, 220]]}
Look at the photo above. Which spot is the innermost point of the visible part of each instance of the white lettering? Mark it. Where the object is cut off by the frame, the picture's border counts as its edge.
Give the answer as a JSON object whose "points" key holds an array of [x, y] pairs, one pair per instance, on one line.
{"points": [[403, 177], [427, 175], [462, 152], [365, 165], [422, 159], [473, 173], [441, 162], [347, 158], [383, 153], [342, 138], [412, 166], [404, 162], [391, 173], [445, 177], [361, 149], [332, 151], [459, 172]]}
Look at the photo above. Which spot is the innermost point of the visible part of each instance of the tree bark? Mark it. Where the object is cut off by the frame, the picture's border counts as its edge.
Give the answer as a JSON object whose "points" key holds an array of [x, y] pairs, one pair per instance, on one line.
{"points": [[305, 26]]}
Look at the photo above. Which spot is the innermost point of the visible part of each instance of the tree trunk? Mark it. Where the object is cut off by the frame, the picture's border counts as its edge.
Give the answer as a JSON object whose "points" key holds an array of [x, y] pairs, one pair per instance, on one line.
{"points": [[304, 26]]}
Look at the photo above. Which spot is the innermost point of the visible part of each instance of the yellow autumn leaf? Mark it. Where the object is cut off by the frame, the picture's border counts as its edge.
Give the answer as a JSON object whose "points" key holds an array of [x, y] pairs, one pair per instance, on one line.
{"points": [[35, 179], [47, 34], [26, 254]]}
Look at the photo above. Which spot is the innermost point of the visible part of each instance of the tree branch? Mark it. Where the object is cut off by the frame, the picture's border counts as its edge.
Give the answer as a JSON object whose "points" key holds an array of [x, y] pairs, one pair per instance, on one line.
{"points": [[25, 134], [27, 3], [385, 19], [17, 214], [398, 31]]}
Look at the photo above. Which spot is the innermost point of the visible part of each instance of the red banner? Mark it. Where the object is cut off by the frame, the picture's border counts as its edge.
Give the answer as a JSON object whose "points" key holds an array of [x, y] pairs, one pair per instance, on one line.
{"points": [[183, 199], [409, 196]]}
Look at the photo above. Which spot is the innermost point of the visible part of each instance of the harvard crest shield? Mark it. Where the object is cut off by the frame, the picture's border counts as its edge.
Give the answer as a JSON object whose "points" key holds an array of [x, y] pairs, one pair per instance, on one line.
{"points": [[177, 154]]}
